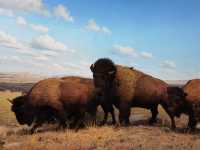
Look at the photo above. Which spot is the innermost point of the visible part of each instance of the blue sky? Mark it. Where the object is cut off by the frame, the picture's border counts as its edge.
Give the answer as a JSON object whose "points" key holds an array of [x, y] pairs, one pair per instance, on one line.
{"points": [[56, 37]]}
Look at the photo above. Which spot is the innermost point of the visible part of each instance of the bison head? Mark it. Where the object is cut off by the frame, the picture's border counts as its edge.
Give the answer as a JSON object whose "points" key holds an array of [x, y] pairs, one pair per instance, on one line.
{"points": [[104, 72], [176, 100], [22, 112]]}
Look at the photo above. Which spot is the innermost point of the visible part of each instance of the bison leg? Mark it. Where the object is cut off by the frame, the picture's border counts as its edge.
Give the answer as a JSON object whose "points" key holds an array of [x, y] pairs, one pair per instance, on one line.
{"points": [[106, 111], [154, 112], [124, 113], [35, 126], [78, 121], [36, 123], [173, 125], [62, 116], [113, 116], [192, 122], [104, 118]]}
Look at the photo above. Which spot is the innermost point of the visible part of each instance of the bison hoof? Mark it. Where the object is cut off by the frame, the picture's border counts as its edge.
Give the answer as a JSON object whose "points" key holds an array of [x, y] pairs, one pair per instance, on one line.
{"points": [[190, 129], [113, 122], [173, 127], [101, 123], [152, 121]]}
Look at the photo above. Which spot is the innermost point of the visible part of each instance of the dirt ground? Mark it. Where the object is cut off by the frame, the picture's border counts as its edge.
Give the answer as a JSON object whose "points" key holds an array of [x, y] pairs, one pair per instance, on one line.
{"points": [[139, 135]]}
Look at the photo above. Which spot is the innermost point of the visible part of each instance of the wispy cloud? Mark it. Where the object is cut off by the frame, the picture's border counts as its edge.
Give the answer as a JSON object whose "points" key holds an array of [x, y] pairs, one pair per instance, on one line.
{"points": [[168, 64], [125, 50], [49, 43], [6, 12], [8, 40], [131, 52], [41, 48], [24, 5], [146, 55], [61, 11], [14, 59], [21, 21], [37, 27], [93, 26], [40, 28]]}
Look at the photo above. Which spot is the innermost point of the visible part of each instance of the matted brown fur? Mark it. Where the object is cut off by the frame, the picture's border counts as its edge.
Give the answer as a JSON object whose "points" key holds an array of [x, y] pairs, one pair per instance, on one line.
{"points": [[58, 98], [126, 87], [133, 83], [192, 88], [56, 91]]}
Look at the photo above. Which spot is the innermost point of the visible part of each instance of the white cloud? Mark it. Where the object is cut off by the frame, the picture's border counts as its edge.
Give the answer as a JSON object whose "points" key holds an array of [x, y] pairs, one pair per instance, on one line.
{"points": [[8, 40], [126, 50], [63, 12], [131, 52], [6, 12], [39, 28], [168, 64], [57, 67], [21, 21], [49, 43], [8, 59], [24, 5], [41, 57], [49, 53], [146, 55], [93, 26]]}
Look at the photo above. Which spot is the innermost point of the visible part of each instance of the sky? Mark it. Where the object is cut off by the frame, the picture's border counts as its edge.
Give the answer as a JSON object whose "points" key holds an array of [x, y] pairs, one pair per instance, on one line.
{"points": [[64, 37]]}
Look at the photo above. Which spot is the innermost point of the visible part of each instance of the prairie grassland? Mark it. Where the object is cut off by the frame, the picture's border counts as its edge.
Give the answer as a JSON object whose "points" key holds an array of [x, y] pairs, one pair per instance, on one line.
{"points": [[138, 136], [6, 116]]}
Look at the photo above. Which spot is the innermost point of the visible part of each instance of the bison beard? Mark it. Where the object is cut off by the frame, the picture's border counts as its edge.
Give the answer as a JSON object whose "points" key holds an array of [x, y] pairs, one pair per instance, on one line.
{"points": [[126, 87]]}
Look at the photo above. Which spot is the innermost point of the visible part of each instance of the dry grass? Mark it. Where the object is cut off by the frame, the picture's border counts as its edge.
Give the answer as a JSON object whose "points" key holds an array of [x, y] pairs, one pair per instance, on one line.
{"points": [[138, 136], [135, 137], [6, 116]]}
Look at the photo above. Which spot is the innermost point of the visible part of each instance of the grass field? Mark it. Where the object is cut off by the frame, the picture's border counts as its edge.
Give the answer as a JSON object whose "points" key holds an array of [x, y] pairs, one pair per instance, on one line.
{"points": [[138, 136], [6, 116]]}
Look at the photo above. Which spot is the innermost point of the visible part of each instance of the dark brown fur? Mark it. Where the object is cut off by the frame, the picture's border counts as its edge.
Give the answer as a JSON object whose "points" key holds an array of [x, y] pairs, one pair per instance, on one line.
{"points": [[126, 88], [56, 98]]}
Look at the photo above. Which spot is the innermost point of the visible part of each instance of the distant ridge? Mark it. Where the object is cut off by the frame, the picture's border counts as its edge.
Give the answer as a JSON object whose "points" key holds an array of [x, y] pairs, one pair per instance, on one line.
{"points": [[26, 77], [22, 77]]}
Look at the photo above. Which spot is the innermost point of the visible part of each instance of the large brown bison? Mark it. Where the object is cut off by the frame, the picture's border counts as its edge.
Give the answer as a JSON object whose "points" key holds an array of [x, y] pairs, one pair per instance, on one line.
{"points": [[192, 106], [56, 99], [126, 87]]}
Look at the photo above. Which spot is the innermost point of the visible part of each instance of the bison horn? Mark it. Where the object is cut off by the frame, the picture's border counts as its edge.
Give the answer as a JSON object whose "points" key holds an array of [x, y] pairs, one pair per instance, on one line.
{"points": [[9, 100], [111, 72], [92, 67]]}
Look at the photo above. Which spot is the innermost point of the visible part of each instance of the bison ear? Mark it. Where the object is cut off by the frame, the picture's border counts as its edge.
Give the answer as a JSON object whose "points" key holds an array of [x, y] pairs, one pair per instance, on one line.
{"points": [[92, 67], [9, 100]]}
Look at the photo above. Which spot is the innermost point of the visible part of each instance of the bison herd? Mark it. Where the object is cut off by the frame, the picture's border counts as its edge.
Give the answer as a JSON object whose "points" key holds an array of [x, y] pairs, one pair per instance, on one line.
{"points": [[66, 100]]}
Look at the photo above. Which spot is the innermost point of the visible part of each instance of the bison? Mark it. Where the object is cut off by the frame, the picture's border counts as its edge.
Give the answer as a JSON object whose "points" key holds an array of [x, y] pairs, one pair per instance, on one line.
{"points": [[56, 99], [126, 87], [192, 103]]}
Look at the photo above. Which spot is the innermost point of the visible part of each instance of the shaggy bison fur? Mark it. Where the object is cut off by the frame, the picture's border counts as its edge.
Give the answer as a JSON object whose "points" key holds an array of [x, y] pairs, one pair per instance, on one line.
{"points": [[56, 99], [126, 87], [192, 104]]}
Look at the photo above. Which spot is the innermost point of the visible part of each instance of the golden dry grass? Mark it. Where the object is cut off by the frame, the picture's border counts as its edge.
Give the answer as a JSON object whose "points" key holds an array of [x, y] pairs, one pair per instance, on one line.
{"points": [[6, 116], [138, 136]]}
